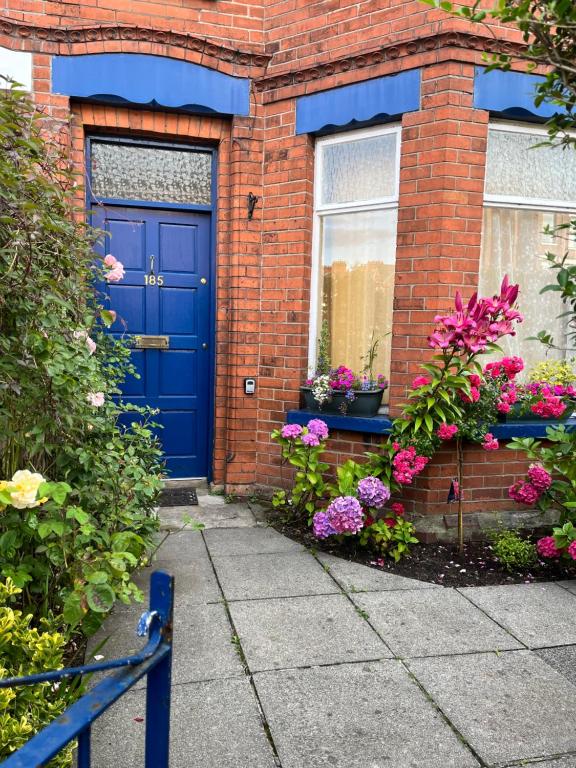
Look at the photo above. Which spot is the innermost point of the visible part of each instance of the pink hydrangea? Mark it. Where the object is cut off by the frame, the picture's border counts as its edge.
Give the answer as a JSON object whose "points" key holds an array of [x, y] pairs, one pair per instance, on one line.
{"points": [[420, 381], [539, 477], [446, 431], [291, 431], [572, 550], [321, 526], [407, 464], [345, 514], [310, 440], [523, 492], [373, 492], [318, 427], [547, 547], [489, 442]]}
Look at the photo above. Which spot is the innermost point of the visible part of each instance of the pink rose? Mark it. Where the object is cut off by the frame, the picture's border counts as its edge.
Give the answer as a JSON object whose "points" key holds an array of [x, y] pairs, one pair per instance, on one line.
{"points": [[116, 273], [95, 398], [109, 260]]}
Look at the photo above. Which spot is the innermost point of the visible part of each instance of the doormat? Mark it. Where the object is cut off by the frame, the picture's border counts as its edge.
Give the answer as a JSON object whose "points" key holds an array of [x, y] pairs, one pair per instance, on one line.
{"points": [[178, 497]]}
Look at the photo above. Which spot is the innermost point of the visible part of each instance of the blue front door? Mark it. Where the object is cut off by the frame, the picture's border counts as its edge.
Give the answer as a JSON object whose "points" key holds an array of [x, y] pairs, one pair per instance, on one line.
{"points": [[166, 293]]}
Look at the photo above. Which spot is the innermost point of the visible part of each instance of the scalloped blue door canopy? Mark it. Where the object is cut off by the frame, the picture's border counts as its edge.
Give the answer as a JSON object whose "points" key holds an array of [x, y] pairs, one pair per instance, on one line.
{"points": [[136, 78], [370, 101], [510, 94]]}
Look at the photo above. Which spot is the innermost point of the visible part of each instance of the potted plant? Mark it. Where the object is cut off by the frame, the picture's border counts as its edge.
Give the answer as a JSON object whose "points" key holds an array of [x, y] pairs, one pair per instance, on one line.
{"points": [[340, 390], [548, 394]]}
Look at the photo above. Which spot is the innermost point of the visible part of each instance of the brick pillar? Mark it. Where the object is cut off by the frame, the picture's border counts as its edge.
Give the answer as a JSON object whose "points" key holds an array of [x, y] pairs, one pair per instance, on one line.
{"points": [[440, 211]]}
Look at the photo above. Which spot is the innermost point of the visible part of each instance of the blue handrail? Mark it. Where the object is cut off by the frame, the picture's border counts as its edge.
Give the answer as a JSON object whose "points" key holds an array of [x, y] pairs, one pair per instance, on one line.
{"points": [[154, 661]]}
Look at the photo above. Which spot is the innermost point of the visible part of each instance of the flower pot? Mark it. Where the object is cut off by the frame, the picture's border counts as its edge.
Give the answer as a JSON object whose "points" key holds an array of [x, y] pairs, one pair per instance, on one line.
{"points": [[334, 405], [365, 403]]}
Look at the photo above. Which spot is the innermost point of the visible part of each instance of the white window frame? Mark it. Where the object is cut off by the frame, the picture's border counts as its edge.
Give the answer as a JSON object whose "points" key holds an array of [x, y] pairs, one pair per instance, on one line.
{"points": [[321, 210], [514, 201]]}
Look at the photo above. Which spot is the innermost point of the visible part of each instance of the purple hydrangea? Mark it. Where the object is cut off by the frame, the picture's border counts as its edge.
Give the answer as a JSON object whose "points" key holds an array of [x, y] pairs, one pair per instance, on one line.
{"points": [[345, 515], [373, 492], [310, 440], [291, 431], [321, 526], [319, 428]]}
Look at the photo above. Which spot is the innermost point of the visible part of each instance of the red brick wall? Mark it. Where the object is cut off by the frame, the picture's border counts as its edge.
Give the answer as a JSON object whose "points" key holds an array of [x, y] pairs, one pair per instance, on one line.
{"points": [[290, 48]]}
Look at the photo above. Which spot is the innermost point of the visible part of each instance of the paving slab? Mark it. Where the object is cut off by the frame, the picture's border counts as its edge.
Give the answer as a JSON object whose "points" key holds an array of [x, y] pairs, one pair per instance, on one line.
{"points": [[570, 585], [563, 659], [302, 631], [368, 715], [210, 515], [181, 546], [194, 580], [248, 541], [432, 622], [539, 615], [283, 574], [355, 577], [508, 707], [203, 647], [213, 725]]}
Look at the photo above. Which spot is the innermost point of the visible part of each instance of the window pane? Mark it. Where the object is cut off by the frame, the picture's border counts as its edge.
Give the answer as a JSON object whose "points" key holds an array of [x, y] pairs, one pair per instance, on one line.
{"points": [[512, 168], [357, 282], [513, 244], [135, 172], [359, 171]]}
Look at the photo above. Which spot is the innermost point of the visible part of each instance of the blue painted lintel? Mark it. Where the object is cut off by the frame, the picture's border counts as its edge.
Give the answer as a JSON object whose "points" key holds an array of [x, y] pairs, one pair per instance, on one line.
{"points": [[143, 79], [510, 94], [365, 102]]}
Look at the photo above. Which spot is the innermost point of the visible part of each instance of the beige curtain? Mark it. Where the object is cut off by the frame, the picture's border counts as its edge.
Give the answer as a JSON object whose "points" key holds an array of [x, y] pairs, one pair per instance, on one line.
{"points": [[358, 254], [513, 243]]}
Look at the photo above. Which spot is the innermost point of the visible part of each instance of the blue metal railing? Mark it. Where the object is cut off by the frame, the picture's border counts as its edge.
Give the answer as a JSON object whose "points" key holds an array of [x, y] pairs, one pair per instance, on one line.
{"points": [[155, 661]]}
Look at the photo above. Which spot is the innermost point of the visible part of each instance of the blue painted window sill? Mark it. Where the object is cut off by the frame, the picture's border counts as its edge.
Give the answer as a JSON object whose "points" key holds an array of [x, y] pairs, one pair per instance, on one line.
{"points": [[380, 425]]}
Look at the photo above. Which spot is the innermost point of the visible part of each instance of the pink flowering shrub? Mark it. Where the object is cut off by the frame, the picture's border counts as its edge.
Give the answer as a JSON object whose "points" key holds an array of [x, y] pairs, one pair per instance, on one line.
{"points": [[447, 431]]}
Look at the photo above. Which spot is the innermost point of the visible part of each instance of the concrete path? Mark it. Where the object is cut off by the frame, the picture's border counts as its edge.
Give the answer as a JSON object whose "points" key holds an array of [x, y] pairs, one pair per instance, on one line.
{"points": [[284, 659]]}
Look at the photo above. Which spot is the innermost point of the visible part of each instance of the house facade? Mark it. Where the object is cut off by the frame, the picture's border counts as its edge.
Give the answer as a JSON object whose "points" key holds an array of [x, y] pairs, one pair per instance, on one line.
{"points": [[263, 166]]}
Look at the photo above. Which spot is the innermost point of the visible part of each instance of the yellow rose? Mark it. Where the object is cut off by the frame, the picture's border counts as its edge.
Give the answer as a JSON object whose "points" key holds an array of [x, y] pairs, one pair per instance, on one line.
{"points": [[24, 487]]}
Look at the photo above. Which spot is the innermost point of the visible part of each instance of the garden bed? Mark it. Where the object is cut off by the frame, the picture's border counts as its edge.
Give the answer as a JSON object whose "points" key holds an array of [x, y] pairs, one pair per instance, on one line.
{"points": [[438, 563]]}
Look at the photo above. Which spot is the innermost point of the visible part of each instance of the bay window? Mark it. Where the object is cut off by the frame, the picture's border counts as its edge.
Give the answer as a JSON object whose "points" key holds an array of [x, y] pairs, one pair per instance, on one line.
{"points": [[527, 190], [356, 211]]}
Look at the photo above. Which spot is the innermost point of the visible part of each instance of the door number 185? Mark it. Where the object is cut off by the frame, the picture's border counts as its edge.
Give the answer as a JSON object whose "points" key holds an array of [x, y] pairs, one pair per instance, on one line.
{"points": [[154, 280]]}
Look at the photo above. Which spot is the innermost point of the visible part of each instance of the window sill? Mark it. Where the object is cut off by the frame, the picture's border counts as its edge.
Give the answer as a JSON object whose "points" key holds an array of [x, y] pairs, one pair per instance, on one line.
{"points": [[376, 425], [380, 425], [509, 429]]}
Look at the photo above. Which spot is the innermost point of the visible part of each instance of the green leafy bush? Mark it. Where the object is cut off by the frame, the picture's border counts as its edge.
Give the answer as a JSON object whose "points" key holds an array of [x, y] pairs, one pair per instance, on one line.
{"points": [[512, 551], [61, 412], [27, 650]]}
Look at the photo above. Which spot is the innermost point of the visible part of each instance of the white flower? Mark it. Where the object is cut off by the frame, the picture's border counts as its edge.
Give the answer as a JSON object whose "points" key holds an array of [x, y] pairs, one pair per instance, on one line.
{"points": [[23, 488]]}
